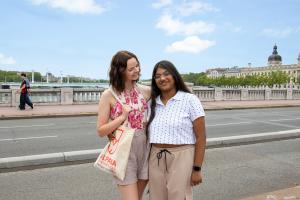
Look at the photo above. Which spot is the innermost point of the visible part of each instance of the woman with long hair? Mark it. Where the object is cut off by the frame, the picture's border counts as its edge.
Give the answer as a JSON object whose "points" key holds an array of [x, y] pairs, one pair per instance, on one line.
{"points": [[176, 131], [124, 74]]}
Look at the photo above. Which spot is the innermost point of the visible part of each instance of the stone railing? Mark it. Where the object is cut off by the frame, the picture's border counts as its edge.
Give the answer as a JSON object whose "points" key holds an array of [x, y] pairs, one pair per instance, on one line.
{"points": [[84, 95], [5, 97], [69, 96], [296, 94], [256, 94], [226, 94], [61, 96], [205, 94]]}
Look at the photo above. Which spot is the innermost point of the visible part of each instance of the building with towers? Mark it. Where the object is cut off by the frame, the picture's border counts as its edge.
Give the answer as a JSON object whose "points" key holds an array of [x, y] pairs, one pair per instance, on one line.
{"points": [[274, 64]]}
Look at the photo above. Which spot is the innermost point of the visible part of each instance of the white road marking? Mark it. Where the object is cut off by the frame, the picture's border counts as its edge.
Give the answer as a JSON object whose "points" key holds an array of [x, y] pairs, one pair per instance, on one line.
{"points": [[229, 124], [256, 135], [28, 126], [28, 138], [277, 120], [267, 122]]}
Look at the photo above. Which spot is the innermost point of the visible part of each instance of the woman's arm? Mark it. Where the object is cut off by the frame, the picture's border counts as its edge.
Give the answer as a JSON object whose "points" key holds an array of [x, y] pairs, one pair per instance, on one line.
{"points": [[145, 90], [104, 126], [200, 134]]}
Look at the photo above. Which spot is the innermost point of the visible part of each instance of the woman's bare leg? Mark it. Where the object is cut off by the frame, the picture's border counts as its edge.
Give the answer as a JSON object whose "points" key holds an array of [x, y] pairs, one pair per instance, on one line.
{"points": [[141, 185], [129, 192]]}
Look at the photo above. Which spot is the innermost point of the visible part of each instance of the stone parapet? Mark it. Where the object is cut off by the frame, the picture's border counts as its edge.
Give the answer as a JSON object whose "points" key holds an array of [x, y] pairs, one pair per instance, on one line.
{"points": [[70, 96]]}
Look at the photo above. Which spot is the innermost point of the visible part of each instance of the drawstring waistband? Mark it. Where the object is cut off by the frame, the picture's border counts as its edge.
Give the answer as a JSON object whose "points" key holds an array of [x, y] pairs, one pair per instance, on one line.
{"points": [[159, 155]]}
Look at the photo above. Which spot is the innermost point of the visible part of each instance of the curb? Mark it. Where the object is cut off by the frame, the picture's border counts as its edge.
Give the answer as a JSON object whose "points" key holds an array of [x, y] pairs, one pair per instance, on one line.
{"points": [[16, 163], [252, 138], [292, 193], [52, 158]]}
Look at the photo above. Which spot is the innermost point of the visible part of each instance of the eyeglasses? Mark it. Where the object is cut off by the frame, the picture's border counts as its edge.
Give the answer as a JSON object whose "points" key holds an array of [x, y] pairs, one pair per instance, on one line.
{"points": [[164, 74]]}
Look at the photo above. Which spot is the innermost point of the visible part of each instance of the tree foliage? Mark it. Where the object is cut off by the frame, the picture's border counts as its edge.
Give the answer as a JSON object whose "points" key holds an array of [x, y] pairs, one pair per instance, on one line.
{"points": [[14, 76], [274, 78]]}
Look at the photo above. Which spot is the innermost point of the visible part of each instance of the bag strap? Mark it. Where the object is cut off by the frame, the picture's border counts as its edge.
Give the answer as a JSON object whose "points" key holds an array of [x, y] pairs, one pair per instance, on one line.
{"points": [[119, 100], [116, 96]]}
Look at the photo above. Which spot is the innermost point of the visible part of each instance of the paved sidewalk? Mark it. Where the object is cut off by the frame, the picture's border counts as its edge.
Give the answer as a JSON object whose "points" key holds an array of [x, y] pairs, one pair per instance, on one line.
{"points": [[48, 111], [292, 193], [92, 109]]}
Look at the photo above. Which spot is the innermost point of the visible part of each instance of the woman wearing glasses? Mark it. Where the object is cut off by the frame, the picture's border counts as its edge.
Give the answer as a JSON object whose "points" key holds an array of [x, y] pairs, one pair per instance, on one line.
{"points": [[176, 131]]}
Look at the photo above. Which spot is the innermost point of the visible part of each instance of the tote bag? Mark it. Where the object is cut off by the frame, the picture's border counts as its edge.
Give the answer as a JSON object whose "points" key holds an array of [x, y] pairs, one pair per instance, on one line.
{"points": [[113, 158]]}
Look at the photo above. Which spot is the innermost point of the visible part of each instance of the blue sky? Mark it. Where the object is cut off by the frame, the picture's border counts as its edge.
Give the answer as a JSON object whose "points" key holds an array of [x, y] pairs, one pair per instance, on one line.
{"points": [[79, 37]]}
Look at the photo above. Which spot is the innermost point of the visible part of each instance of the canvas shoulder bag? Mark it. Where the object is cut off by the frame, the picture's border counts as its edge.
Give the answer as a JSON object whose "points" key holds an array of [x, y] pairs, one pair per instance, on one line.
{"points": [[113, 158]]}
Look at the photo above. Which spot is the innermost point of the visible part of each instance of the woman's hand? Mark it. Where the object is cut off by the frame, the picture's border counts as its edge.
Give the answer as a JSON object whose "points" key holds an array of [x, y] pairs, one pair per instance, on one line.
{"points": [[111, 137], [126, 110], [196, 178]]}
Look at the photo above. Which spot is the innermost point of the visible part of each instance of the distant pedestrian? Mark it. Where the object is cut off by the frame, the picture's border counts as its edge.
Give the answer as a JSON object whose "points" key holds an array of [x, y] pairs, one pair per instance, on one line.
{"points": [[177, 135], [24, 93]]}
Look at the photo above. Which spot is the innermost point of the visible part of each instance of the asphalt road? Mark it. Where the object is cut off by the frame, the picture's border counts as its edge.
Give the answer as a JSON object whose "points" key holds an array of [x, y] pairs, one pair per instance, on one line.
{"points": [[229, 173], [50, 135]]}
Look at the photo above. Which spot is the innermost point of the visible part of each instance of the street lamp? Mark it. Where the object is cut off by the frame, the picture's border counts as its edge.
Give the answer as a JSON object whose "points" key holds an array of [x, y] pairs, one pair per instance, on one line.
{"points": [[32, 77], [47, 75], [61, 77]]}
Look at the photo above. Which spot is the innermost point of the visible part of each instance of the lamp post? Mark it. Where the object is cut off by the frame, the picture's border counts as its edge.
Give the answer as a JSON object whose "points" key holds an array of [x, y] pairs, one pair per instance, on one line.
{"points": [[32, 77], [61, 77], [47, 77]]}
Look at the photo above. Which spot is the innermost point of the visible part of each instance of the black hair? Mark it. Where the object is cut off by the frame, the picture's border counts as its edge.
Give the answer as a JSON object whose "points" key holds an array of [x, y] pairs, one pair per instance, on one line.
{"points": [[155, 91]]}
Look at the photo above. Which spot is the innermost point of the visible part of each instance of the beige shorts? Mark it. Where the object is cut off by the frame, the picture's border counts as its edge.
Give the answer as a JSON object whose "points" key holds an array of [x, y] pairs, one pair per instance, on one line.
{"points": [[170, 172], [137, 167]]}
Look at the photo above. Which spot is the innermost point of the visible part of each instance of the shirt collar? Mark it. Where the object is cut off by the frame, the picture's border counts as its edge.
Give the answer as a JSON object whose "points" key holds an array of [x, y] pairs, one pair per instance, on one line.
{"points": [[178, 96]]}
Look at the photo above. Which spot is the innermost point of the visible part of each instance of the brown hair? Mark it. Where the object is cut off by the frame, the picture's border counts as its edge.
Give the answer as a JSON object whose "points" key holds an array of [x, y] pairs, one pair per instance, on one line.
{"points": [[118, 66]]}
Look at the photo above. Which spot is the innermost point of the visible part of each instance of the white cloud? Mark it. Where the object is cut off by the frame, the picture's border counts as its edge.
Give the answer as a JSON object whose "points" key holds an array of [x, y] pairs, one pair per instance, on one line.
{"points": [[189, 8], [280, 33], [192, 44], [73, 6], [174, 26], [161, 3], [6, 60]]}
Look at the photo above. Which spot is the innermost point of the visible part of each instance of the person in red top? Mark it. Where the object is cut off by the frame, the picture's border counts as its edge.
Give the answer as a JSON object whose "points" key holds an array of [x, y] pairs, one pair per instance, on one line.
{"points": [[24, 96]]}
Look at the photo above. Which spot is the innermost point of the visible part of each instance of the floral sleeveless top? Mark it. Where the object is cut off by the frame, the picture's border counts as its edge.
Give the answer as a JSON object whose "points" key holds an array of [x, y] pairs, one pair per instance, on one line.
{"points": [[137, 116]]}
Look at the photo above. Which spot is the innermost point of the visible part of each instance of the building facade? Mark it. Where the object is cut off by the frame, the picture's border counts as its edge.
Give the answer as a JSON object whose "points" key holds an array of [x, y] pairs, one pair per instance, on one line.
{"points": [[274, 64]]}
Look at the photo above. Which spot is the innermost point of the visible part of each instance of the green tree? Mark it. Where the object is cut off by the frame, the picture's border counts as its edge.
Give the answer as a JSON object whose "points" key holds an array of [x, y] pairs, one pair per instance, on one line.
{"points": [[277, 77], [37, 76], [191, 77], [204, 80], [9, 76], [298, 79]]}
